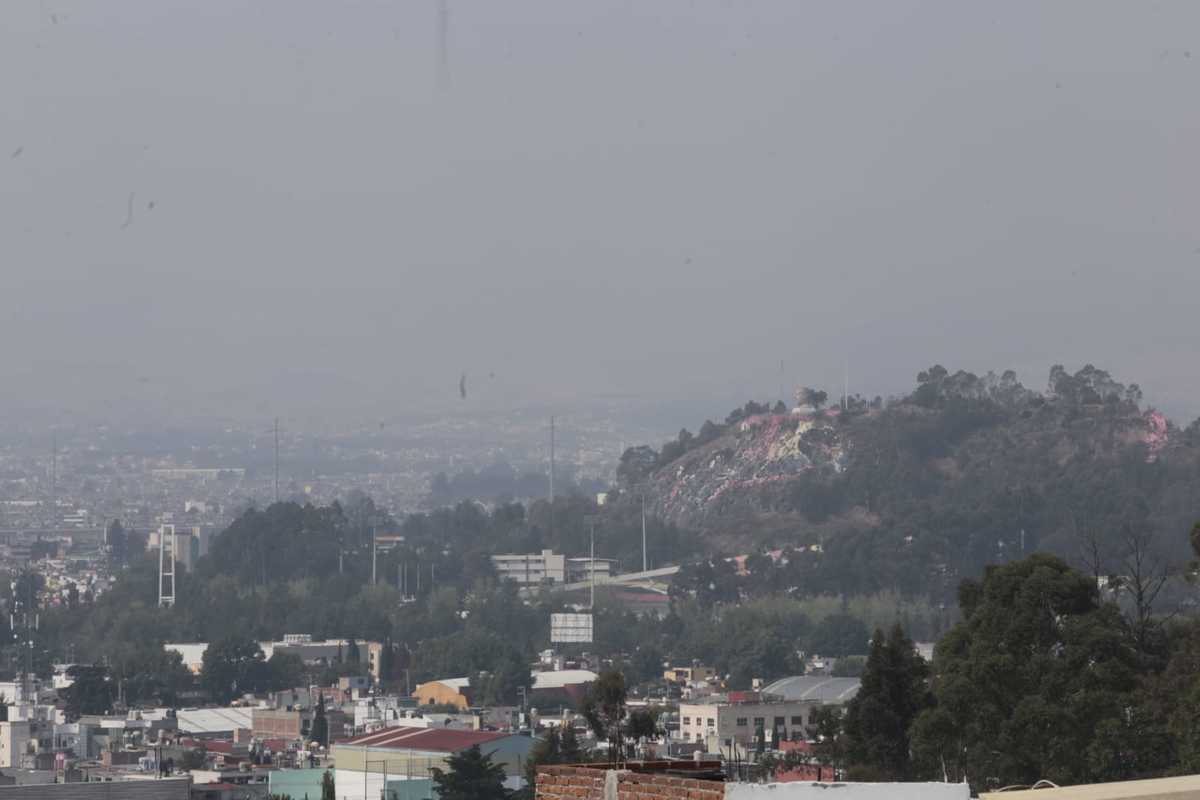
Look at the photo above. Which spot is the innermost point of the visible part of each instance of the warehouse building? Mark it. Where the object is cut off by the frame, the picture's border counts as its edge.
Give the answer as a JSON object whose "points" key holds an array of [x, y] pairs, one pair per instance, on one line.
{"points": [[368, 764]]}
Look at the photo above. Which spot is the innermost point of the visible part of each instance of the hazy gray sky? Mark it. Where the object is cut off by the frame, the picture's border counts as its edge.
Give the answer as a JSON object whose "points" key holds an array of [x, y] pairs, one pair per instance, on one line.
{"points": [[654, 199]]}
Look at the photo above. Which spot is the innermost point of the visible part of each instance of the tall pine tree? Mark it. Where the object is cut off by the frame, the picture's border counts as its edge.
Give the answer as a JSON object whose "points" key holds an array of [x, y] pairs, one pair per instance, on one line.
{"points": [[895, 689], [320, 725], [472, 775]]}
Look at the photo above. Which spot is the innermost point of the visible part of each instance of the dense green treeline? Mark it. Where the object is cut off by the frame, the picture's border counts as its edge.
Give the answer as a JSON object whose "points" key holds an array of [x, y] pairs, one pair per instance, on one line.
{"points": [[256, 584], [1043, 678]]}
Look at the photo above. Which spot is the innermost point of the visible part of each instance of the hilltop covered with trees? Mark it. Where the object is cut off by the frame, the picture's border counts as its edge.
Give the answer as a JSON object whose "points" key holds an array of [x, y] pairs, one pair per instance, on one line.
{"points": [[913, 493]]}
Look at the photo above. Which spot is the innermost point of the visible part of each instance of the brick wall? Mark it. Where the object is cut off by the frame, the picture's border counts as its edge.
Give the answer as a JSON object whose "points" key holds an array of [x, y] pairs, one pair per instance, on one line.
{"points": [[601, 783], [636, 786], [570, 783]]}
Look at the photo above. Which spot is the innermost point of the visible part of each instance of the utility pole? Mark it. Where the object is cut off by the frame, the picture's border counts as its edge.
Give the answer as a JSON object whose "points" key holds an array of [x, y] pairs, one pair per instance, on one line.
{"points": [[277, 459], [846, 387], [645, 563], [591, 521], [54, 481]]}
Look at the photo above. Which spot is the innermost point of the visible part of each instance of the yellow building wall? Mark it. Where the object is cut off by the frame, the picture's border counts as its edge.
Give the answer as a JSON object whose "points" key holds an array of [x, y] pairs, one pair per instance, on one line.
{"points": [[437, 693]]}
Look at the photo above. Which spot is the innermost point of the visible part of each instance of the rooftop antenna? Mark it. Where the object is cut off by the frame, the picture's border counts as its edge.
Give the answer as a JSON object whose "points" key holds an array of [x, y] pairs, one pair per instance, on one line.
{"points": [[25, 615]]}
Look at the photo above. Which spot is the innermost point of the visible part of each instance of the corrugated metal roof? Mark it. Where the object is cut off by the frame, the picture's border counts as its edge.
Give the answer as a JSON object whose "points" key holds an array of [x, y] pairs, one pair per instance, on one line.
{"points": [[441, 740], [453, 683], [815, 687], [213, 720], [556, 679]]}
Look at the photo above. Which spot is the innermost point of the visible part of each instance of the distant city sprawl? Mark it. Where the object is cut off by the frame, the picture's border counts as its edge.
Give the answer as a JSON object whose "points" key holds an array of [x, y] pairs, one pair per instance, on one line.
{"points": [[796, 594]]}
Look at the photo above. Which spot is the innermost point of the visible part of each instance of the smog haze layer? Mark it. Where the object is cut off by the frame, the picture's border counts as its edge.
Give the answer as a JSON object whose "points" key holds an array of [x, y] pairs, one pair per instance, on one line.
{"points": [[245, 209]]}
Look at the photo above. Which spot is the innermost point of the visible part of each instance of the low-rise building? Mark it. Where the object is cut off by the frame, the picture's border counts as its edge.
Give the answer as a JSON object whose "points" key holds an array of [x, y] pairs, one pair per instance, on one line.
{"points": [[531, 569], [309, 650], [688, 675], [733, 724], [16, 743], [825, 689], [562, 687], [548, 567], [368, 764], [445, 692]]}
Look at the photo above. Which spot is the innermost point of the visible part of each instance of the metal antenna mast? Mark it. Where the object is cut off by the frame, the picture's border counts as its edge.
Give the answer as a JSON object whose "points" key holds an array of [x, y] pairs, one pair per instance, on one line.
{"points": [[25, 615]]}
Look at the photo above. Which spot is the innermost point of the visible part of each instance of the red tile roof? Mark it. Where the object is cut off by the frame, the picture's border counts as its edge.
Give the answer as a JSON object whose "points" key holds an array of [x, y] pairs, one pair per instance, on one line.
{"points": [[445, 740]]}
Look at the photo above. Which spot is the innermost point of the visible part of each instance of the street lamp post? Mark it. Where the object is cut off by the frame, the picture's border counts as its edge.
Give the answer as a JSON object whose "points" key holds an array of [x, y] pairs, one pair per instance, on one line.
{"points": [[367, 773], [591, 520]]}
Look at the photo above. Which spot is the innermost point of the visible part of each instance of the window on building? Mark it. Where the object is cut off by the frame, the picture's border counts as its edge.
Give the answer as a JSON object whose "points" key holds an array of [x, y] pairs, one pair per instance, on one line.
{"points": [[797, 721], [712, 723], [687, 720], [741, 722], [758, 722], [779, 721]]}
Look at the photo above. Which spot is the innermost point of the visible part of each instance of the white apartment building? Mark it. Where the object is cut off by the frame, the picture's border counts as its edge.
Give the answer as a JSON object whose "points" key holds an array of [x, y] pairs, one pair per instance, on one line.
{"points": [[580, 569], [723, 725], [531, 569], [191, 542], [15, 743], [535, 569]]}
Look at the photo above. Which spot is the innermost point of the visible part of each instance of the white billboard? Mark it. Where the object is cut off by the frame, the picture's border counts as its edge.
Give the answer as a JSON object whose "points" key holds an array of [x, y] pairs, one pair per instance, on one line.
{"points": [[567, 628]]}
